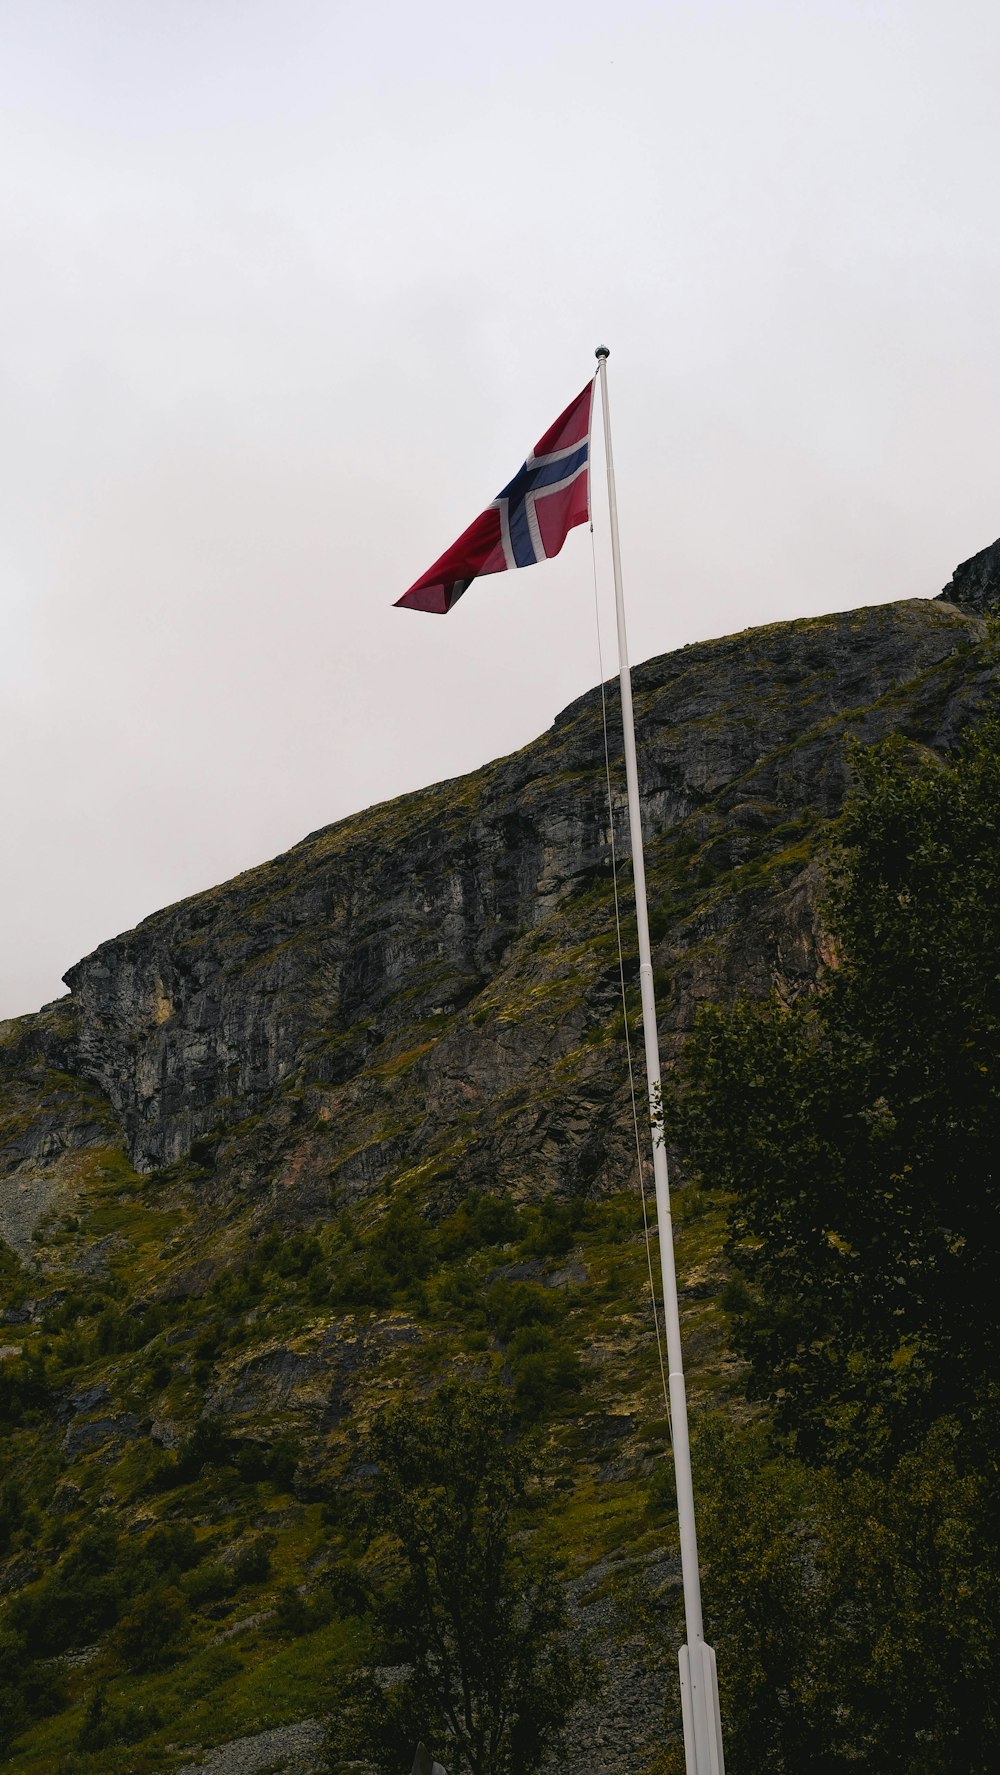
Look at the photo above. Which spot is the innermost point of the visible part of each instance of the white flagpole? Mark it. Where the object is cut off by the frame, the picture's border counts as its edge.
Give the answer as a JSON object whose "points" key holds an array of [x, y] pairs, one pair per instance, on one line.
{"points": [[699, 1689]]}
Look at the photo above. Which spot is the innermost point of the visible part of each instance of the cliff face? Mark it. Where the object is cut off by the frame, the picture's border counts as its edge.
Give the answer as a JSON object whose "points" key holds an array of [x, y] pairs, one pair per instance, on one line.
{"points": [[975, 585], [432, 983], [456, 944]]}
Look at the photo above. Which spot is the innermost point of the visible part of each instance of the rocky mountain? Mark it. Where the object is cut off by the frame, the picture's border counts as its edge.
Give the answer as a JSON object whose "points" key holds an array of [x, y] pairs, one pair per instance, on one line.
{"points": [[243, 1166]]}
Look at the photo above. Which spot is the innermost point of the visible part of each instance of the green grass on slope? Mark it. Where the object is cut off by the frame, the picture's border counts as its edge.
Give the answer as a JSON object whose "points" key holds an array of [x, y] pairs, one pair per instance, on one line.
{"points": [[182, 1595]]}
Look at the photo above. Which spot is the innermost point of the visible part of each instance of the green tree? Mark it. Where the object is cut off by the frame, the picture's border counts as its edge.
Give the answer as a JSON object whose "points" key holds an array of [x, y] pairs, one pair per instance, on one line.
{"points": [[857, 1131], [461, 1605], [760, 1538], [906, 1657], [856, 1134], [853, 1614]]}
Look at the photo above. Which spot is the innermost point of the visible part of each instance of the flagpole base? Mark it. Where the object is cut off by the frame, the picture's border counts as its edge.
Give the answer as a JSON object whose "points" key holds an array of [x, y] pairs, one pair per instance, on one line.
{"points": [[701, 1715]]}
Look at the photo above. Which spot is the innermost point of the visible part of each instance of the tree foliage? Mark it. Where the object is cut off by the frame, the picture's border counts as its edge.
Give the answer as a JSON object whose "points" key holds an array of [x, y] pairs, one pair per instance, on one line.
{"points": [[472, 1621], [854, 1615], [853, 1554], [857, 1131]]}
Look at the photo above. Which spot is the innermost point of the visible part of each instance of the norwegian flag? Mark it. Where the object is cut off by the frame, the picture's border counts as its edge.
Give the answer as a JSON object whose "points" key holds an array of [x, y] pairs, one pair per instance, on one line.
{"points": [[527, 522]]}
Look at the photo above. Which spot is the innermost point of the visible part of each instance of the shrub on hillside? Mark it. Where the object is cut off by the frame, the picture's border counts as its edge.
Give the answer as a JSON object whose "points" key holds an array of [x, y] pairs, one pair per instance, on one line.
{"points": [[77, 1601], [111, 1720], [152, 1632]]}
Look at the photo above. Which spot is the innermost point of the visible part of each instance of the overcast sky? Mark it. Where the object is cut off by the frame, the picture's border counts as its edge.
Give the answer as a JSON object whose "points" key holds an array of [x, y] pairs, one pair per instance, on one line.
{"points": [[287, 291]]}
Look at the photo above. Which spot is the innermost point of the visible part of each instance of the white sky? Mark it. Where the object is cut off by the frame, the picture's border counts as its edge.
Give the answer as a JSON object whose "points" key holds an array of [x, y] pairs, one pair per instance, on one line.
{"points": [[287, 290]]}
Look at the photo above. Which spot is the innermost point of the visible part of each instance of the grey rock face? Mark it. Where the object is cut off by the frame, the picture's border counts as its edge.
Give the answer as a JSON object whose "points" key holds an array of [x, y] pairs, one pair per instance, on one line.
{"points": [[451, 915], [49, 1118], [108, 1433], [434, 983], [975, 585]]}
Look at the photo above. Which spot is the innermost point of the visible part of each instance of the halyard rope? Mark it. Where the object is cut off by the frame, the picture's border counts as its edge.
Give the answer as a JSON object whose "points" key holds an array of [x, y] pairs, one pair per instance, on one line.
{"points": [[621, 977]]}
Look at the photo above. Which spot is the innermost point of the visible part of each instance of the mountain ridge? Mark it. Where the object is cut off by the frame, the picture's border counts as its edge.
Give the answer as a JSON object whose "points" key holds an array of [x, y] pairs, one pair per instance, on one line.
{"points": [[317, 883]]}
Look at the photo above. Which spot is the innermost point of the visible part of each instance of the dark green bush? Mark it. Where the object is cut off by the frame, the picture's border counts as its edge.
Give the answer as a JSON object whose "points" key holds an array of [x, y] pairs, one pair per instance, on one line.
{"points": [[405, 1246], [295, 1615], [542, 1376], [555, 1227], [208, 1583], [174, 1548], [511, 1305], [110, 1721], [28, 1690], [212, 1445], [362, 1281], [479, 1221], [463, 1295], [297, 1256], [152, 1632], [209, 1445], [12, 1508], [24, 1390], [275, 1461], [118, 1330], [77, 1601], [292, 1613]]}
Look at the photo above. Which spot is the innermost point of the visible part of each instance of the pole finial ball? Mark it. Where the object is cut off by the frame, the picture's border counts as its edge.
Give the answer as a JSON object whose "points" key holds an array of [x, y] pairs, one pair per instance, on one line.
{"points": [[602, 351]]}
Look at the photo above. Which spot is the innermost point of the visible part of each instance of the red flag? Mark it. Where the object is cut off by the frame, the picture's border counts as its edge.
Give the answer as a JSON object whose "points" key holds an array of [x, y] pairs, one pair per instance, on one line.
{"points": [[527, 522]]}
